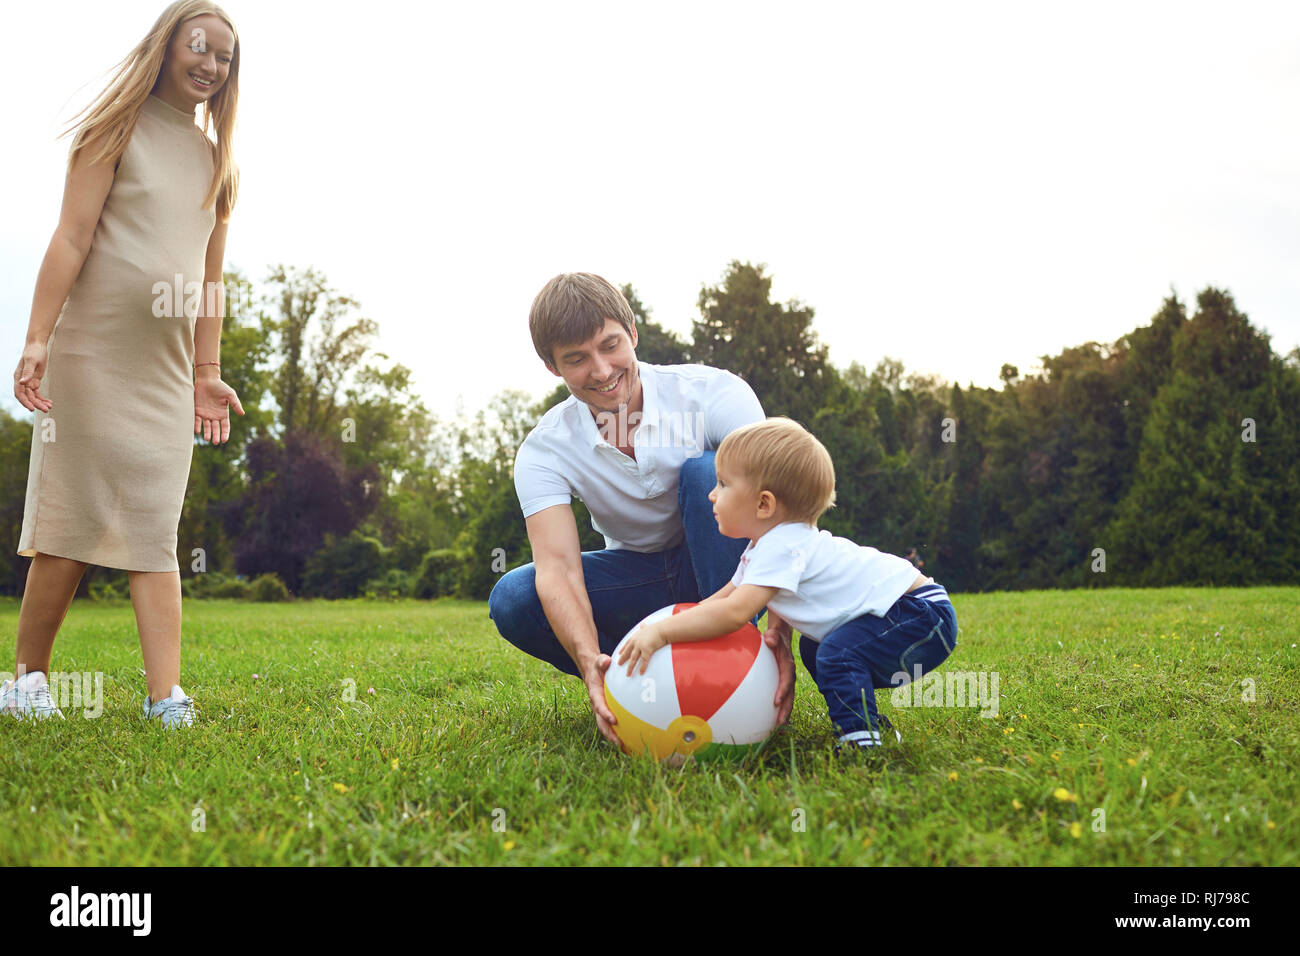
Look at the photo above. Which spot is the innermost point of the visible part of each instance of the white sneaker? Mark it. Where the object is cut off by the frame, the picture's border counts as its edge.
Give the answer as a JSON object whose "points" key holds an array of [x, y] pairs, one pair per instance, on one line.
{"points": [[28, 696], [175, 711], [887, 724], [868, 739]]}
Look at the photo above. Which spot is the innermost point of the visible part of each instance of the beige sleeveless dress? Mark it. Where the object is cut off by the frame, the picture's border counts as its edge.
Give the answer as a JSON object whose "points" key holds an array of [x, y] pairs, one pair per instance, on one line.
{"points": [[111, 459]]}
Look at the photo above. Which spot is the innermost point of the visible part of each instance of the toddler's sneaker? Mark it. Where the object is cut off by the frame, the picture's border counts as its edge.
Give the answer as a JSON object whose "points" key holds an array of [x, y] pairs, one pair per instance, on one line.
{"points": [[865, 741], [28, 696], [175, 711], [887, 724], [858, 742]]}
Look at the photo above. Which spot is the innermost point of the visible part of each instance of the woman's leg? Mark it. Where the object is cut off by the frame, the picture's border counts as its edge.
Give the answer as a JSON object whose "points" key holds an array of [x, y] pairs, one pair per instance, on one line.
{"points": [[51, 584], [156, 596]]}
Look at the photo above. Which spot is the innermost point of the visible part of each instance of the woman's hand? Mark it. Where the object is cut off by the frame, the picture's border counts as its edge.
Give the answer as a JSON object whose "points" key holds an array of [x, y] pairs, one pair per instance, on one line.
{"points": [[213, 400], [28, 375]]}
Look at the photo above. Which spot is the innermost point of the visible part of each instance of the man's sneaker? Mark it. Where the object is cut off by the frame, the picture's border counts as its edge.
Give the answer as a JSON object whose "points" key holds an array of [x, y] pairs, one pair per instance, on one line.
{"points": [[175, 711], [28, 696]]}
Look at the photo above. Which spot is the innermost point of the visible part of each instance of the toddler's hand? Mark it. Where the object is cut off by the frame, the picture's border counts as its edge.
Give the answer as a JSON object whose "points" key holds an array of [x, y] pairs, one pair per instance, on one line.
{"points": [[640, 646]]}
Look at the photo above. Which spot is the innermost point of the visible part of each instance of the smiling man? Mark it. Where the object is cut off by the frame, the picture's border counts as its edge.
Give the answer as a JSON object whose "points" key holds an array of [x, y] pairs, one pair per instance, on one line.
{"points": [[635, 442]]}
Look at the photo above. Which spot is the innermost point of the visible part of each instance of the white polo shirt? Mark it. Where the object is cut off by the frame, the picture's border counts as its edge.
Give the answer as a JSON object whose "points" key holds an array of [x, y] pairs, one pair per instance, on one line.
{"points": [[825, 581], [687, 410]]}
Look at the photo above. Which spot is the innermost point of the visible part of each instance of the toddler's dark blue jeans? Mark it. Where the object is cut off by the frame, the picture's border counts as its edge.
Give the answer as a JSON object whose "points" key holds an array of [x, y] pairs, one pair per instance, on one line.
{"points": [[872, 653]]}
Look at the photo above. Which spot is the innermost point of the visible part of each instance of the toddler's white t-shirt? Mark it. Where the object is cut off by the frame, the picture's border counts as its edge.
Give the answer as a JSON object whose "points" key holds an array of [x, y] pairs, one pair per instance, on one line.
{"points": [[825, 581]]}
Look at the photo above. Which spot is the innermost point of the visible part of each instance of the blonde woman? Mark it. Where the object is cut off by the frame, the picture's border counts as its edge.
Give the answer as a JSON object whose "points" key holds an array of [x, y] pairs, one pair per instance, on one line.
{"points": [[122, 361]]}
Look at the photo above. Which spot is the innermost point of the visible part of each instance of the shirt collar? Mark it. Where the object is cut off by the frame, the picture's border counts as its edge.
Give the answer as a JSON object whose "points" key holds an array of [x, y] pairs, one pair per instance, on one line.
{"points": [[649, 407], [649, 394], [587, 423]]}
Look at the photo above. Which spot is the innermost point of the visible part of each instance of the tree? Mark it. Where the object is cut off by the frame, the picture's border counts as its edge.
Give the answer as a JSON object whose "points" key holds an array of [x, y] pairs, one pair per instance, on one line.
{"points": [[770, 346], [655, 344], [878, 498], [313, 367], [493, 538], [15, 459], [341, 567], [1198, 511], [331, 384], [301, 491], [217, 479]]}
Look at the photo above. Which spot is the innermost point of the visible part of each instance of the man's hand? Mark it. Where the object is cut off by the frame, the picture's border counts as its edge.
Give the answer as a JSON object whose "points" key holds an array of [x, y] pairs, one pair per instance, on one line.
{"points": [[647, 639], [595, 681], [777, 637]]}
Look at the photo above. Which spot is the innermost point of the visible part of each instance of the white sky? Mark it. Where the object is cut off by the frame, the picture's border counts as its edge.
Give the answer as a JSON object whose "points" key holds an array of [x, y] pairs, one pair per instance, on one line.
{"points": [[954, 185]]}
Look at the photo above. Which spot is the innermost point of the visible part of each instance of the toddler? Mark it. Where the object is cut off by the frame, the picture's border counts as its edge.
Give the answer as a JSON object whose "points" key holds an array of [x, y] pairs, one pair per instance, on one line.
{"points": [[868, 620]]}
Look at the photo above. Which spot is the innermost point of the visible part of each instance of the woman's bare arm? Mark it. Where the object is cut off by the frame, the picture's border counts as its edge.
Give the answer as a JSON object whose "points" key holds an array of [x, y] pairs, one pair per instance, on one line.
{"points": [[85, 190], [212, 308]]}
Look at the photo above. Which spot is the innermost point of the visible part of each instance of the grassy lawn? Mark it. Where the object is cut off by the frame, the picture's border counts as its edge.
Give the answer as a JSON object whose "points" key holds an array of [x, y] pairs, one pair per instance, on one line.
{"points": [[1127, 702]]}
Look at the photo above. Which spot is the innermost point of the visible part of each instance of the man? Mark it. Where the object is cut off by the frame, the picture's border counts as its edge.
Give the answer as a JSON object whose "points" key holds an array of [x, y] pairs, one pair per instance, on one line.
{"points": [[635, 442]]}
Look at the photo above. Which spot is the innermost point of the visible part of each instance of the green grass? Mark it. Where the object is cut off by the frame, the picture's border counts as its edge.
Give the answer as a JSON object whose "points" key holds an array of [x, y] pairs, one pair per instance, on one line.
{"points": [[1124, 701]]}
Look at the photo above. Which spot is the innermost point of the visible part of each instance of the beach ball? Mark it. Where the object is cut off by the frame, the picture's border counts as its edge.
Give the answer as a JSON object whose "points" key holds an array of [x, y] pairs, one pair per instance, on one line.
{"points": [[701, 699]]}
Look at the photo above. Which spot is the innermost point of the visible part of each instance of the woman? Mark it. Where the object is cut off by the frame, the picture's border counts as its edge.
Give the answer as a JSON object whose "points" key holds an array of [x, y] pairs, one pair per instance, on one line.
{"points": [[120, 357]]}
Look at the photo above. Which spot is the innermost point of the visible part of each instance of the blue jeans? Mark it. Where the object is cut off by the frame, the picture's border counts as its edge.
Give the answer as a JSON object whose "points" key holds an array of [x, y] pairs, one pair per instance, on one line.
{"points": [[869, 653], [624, 586]]}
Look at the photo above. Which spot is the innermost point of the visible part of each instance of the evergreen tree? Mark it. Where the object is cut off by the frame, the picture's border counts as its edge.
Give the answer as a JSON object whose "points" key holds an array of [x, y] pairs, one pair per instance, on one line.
{"points": [[770, 346], [655, 344], [1197, 511]]}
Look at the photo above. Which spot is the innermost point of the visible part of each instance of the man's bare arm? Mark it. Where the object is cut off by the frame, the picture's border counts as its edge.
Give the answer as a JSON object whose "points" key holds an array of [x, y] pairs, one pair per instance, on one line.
{"points": [[562, 589]]}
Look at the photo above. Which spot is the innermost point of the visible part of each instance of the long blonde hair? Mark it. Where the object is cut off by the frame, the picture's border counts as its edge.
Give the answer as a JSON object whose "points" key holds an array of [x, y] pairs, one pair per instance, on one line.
{"points": [[111, 118]]}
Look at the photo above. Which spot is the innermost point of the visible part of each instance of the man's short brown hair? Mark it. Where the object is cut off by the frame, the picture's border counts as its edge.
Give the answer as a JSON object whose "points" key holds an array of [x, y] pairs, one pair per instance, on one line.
{"points": [[573, 307], [781, 456]]}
